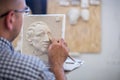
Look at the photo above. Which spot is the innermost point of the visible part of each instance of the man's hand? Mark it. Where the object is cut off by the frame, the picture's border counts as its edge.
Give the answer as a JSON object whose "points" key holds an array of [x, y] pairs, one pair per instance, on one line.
{"points": [[57, 53]]}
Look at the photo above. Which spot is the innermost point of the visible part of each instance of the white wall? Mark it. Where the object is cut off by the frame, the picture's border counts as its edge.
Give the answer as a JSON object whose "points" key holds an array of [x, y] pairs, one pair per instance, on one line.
{"points": [[106, 64]]}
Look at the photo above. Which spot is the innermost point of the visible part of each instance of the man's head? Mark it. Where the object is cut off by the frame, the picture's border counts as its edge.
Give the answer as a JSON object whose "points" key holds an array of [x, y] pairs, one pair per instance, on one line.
{"points": [[38, 36], [11, 17]]}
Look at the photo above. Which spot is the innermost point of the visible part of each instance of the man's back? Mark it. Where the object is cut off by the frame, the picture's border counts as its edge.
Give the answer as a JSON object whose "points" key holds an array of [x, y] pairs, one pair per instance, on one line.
{"points": [[17, 66]]}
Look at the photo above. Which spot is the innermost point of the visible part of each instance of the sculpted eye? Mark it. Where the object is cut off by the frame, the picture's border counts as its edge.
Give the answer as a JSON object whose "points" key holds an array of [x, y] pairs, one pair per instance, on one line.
{"points": [[40, 33]]}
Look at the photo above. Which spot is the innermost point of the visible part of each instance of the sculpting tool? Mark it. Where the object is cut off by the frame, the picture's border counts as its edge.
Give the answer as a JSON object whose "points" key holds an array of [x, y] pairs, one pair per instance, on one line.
{"points": [[50, 38]]}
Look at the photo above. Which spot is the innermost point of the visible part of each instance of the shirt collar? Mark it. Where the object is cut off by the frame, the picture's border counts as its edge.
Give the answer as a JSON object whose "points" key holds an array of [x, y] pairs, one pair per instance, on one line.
{"points": [[4, 42]]}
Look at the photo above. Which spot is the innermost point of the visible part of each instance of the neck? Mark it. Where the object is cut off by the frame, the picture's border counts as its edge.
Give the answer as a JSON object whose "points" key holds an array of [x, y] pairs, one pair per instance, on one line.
{"points": [[6, 35]]}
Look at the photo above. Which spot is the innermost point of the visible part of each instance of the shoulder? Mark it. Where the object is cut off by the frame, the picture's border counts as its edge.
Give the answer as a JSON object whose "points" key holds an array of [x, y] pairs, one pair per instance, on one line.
{"points": [[36, 66], [23, 66], [28, 59]]}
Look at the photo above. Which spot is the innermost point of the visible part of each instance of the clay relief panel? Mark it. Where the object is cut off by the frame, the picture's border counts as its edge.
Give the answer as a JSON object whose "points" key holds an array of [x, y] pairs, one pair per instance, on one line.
{"points": [[37, 31]]}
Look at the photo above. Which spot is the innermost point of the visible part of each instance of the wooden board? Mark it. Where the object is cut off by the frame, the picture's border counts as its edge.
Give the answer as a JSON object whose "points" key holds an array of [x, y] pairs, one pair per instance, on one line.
{"points": [[84, 36]]}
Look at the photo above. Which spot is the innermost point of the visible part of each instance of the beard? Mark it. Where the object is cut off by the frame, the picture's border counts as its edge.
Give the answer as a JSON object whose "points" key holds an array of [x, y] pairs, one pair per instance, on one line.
{"points": [[41, 48]]}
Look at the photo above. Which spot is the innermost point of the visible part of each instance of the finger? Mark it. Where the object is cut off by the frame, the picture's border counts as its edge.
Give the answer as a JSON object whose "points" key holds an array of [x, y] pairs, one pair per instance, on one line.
{"points": [[53, 40], [66, 48], [64, 43], [62, 39], [58, 41]]}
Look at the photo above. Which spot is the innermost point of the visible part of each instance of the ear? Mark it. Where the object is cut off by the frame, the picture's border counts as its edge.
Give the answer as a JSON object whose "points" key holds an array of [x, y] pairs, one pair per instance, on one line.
{"points": [[9, 20]]}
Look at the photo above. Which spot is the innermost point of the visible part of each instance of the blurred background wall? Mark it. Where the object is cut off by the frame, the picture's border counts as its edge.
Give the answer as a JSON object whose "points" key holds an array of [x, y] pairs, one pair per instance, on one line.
{"points": [[106, 64]]}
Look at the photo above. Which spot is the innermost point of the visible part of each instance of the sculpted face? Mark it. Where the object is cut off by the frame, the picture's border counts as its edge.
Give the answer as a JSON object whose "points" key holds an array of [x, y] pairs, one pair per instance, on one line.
{"points": [[38, 36]]}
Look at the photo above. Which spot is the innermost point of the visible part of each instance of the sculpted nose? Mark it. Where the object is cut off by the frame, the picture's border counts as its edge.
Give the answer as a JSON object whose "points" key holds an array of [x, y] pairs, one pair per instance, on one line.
{"points": [[46, 38]]}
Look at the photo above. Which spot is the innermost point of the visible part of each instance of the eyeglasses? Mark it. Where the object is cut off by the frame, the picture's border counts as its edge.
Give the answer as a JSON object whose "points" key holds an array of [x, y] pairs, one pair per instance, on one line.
{"points": [[25, 10]]}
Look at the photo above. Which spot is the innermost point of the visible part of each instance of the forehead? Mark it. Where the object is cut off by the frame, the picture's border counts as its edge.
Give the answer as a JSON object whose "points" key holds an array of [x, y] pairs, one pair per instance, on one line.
{"points": [[40, 26], [18, 4], [21, 3]]}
